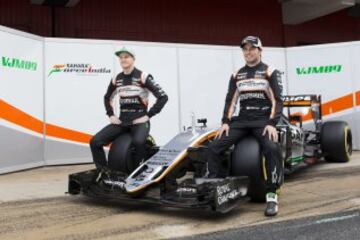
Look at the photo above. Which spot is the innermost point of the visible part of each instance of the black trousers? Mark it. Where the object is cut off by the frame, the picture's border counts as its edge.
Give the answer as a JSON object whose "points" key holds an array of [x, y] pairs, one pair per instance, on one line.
{"points": [[139, 133], [270, 149]]}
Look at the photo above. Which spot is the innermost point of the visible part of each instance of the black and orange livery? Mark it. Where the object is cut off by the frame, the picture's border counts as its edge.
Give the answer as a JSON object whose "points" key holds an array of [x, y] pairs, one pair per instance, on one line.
{"points": [[258, 91], [133, 91]]}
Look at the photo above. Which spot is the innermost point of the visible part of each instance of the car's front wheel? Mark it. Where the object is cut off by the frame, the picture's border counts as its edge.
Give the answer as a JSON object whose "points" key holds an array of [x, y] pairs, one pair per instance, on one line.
{"points": [[247, 160]]}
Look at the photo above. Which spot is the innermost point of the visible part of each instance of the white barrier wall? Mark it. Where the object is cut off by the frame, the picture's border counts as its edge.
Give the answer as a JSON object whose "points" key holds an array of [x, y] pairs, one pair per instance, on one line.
{"points": [[355, 76], [77, 75], [21, 100], [204, 76], [204, 73], [73, 75], [330, 71]]}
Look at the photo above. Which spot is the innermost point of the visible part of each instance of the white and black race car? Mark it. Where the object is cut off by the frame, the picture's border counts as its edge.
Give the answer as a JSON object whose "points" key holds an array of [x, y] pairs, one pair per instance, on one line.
{"points": [[172, 174]]}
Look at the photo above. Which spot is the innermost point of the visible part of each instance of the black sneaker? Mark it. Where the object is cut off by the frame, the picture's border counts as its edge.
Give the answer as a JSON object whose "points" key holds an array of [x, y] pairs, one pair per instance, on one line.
{"points": [[271, 204]]}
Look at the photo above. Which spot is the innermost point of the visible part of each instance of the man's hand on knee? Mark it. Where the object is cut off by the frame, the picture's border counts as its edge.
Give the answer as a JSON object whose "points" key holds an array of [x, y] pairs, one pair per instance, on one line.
{"points": [[140, 120], [272, 133], [114, 120], [224, 128]]}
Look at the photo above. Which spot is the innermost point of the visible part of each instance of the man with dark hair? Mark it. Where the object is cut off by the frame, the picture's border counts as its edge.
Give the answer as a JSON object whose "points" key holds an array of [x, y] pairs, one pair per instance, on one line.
{"points": [[258, 89]]}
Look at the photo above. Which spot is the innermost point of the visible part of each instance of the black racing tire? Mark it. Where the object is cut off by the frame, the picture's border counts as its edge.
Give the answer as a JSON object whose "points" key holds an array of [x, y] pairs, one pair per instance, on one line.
{"points": [[336, 141], [120, 154], [247, 160]]}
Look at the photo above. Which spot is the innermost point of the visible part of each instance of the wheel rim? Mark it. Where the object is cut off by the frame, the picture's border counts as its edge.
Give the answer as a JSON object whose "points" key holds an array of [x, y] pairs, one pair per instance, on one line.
{"points": [[348, 142]]}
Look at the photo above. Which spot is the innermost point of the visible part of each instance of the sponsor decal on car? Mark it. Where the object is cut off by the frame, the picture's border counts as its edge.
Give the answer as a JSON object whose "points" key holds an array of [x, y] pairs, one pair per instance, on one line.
{"points": [[186, 190], [290, 98], [118, 184], [225, 193]]}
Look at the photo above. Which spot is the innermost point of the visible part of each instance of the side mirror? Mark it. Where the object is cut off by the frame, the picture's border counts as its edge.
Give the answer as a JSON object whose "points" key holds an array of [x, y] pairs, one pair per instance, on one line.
{"points": [[203, 121]]}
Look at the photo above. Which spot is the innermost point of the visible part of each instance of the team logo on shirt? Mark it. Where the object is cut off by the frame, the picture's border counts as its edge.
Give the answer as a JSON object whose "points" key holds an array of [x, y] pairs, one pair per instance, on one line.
{"points": [[129, 101], [253, 85], [260, 74]]}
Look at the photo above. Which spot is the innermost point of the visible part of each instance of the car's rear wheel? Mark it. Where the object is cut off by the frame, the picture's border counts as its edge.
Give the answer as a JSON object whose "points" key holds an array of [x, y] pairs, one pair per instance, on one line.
{"points": [[247, 160], [336, 141]]}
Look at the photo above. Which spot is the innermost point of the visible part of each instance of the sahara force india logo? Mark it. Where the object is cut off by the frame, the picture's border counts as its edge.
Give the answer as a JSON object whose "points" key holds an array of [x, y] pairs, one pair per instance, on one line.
{"points": [[18, 63], [318, 69], [79, 68]]}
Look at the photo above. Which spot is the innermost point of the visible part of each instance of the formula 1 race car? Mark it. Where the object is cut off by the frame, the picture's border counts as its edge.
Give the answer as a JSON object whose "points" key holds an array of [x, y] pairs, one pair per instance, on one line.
{"points": [[173, 174]]}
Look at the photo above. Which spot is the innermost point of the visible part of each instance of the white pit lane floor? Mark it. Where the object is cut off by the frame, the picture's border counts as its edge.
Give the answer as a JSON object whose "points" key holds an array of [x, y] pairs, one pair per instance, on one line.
{"points": [[33, 206]]}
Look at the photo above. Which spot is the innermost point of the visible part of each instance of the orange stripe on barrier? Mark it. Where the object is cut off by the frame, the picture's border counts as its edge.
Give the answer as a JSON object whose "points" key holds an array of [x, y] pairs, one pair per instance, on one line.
{"points": [[68, 134], [20, 118], [338, 104], [333, 106], [357, 98]]}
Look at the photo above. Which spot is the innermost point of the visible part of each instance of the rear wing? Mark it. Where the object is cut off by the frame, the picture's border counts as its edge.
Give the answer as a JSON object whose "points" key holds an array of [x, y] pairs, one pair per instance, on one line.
{"points": [[311, 100], [301, 100]]}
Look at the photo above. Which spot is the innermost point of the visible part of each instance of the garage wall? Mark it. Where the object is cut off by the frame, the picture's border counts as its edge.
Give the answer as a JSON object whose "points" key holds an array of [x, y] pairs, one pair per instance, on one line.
{"points": [[205, 22], [21, 100]]}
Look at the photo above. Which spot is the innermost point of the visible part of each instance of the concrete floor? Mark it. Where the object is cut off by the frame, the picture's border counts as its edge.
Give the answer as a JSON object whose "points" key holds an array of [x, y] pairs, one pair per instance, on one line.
{"points": [[33, 206]]}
